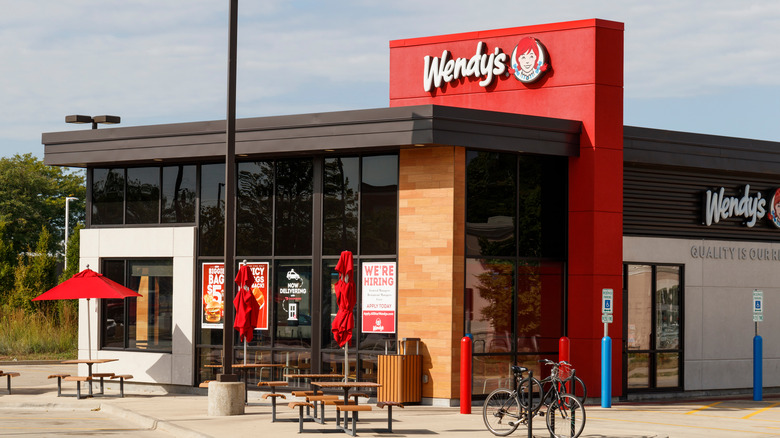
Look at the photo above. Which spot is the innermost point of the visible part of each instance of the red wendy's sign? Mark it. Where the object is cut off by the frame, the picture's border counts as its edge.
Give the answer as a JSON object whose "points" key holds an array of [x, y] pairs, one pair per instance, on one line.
{"points": [[528, 63]]}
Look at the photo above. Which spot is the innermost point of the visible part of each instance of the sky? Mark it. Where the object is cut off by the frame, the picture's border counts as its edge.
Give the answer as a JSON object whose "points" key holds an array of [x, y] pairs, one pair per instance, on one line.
{"points": [[706, 66]]}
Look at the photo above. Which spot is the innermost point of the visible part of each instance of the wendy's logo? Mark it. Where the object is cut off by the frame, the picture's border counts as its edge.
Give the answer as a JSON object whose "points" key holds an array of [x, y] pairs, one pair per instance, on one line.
{"points": [[529, 60], [774, 211]]}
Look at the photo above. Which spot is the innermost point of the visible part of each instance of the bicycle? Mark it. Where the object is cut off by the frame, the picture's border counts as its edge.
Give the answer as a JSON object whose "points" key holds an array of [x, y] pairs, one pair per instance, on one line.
{"points": [[505, 410], [574, 385], [565, 415]]}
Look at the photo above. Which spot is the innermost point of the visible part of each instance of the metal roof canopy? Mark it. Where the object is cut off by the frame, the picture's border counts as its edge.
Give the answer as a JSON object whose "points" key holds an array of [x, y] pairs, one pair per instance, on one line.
{"points": [[344, 131]]}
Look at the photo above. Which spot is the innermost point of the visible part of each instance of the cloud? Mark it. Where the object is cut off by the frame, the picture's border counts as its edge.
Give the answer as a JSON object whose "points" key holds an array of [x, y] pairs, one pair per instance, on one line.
{"points": [[159, 62]]}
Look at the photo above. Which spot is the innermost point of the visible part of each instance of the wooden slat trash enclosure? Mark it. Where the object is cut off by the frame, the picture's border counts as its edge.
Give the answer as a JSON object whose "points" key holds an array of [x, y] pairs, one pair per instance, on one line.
{"points": [[401, 375]]}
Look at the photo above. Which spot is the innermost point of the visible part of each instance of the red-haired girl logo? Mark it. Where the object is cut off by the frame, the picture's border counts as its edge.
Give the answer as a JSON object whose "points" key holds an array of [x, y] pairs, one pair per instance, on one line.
{"points": [[529, 60], [774, 212]]}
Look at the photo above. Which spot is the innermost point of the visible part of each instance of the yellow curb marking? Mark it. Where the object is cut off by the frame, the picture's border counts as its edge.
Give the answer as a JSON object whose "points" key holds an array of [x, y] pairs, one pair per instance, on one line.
{"points": [[761, 410], [697, 427], [703, 408]]}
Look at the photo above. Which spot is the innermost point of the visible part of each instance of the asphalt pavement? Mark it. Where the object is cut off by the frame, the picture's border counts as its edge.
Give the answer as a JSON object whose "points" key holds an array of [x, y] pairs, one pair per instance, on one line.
{"points": [[34, 409]]}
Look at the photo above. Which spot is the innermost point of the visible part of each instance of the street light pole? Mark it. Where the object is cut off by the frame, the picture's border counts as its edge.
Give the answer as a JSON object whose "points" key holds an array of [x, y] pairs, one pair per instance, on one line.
{"points": [[67, 218], [230, 176]]}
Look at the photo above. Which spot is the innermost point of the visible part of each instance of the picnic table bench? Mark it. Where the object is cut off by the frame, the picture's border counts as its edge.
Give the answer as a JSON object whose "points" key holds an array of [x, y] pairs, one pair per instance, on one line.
{"points": [[273, 395], [8, 376]]}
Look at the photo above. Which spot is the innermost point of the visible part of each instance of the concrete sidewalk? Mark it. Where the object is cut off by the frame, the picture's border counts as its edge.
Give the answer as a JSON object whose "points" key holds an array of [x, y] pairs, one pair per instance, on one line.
{"points": [[187, 415]]}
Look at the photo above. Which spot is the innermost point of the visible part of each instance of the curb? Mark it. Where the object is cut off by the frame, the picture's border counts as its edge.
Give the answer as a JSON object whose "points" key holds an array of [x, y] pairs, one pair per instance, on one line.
{"points": [[52, 406], [151, 423], [30, 362]]}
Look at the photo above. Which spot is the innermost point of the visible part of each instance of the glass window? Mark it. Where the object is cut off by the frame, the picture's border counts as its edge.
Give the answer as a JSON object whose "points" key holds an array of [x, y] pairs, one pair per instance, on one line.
{"points": [[640, 323], [667, 307], [292, 299], [178, 194], [379, 205], [638, 370], [212, 209], [294, 187], [254, 209], [340, 205], [108, 194], [114, 321], [143, 195], [490, 289], [491, 191], [667, 372], [539, 303], [145, 322]]}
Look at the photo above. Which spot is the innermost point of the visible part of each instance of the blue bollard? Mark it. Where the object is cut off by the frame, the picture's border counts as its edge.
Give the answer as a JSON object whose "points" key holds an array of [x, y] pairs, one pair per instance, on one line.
{"points": [[758, 369], [606, 372]]}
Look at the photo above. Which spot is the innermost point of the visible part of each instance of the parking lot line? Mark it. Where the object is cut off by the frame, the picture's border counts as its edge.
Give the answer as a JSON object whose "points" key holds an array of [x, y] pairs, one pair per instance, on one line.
{"points": [[761, 410], [703, 408]]}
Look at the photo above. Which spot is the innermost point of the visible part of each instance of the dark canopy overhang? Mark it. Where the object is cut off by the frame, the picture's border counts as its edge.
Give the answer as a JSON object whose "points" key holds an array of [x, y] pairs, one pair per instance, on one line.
{"points": [[344, 131]]}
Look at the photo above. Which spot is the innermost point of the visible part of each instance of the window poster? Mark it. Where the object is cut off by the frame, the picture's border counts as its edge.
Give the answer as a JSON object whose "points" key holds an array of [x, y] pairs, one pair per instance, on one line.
{"points": [[213, 302], [379, 291], [260, 292]]}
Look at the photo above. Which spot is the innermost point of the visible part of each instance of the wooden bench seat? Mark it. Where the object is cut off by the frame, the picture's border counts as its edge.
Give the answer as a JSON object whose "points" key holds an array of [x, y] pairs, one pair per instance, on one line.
{"points": [[8, 376], [78, 380], [321, 399], [122, 378], [346, 409], [300, 406], [389, 405], [59, 378], [273, 398], [101, 376]]}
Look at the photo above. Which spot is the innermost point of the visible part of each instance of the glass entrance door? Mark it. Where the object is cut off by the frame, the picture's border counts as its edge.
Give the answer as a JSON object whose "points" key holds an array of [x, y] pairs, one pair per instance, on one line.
{"points": [[652, 353]]}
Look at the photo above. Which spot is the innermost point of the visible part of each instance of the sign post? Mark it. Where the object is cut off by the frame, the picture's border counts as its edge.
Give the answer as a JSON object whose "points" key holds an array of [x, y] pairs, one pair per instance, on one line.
{"points": [[607, 304], [758, 346]]}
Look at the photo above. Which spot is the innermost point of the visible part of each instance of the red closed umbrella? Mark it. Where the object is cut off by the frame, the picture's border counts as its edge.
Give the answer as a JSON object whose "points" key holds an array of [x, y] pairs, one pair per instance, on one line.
{"points": [[247, 309], [87, 284], [344, 322]]}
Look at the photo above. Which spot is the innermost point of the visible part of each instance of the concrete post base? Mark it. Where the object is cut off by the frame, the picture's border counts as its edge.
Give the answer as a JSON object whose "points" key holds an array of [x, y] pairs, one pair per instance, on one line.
{"points": [[226, 398]]}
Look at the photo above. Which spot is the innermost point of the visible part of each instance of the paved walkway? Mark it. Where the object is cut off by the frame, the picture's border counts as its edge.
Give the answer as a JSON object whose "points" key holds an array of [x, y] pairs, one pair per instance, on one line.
{"points": [[152, 410]]}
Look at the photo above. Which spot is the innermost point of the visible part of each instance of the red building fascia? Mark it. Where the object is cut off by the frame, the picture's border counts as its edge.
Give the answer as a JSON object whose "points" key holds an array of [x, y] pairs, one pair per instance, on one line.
{"points": [[583, 81]]}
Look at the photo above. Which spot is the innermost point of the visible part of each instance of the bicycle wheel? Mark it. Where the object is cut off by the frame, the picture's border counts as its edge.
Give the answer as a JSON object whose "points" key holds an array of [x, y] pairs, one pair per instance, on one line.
{"points": [[537, 393], [566, 417], [502, 412], [574, 386], [578, 389]]}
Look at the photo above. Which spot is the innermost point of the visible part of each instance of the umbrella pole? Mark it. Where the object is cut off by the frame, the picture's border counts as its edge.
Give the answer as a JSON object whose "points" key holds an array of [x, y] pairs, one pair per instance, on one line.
{"points": [[346, 362], [244, 350], [89, 332]]}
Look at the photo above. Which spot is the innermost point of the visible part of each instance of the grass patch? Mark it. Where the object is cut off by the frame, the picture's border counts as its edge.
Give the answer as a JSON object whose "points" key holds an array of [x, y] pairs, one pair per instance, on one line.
{"points": [[39, 336]]}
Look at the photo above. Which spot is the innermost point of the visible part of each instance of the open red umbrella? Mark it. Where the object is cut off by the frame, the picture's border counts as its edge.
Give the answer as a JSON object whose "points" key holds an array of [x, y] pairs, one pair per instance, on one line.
{"points": [[247, 308], [87, 284], [344, 322]]}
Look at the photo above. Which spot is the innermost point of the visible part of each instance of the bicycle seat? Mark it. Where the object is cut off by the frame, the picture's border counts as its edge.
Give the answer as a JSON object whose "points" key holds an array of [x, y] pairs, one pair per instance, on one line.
{"points": [[519, 370]]}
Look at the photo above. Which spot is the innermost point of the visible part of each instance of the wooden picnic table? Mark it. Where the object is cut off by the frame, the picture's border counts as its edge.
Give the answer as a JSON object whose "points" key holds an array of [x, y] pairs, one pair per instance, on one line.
{"points": [[88, 363], [310, 376], [346, 386]]}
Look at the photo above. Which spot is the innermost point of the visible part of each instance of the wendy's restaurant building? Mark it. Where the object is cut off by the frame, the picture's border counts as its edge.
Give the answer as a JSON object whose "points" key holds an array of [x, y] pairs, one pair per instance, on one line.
{"points": [[498, 196]]}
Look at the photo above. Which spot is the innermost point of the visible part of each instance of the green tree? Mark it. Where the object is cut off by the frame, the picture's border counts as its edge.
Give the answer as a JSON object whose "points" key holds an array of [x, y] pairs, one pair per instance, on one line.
{"points": [[32, 196], [34, 275], [7, 264]]}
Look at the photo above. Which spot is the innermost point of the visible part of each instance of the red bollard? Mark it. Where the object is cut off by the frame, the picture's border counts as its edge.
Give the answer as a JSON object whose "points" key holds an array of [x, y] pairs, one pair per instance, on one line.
{"points": [[564, 349], [564, 352], [465, 375]]}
